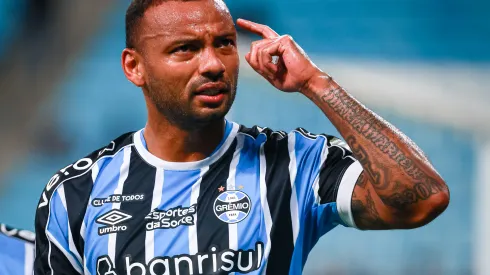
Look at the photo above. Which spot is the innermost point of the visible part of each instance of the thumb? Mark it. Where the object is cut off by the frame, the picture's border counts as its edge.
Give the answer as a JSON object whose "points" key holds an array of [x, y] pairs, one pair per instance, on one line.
{"points": [[247, 57]]}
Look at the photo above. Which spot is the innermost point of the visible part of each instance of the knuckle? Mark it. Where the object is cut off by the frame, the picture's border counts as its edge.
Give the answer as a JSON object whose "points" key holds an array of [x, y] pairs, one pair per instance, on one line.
{"points": [[255, 44]]}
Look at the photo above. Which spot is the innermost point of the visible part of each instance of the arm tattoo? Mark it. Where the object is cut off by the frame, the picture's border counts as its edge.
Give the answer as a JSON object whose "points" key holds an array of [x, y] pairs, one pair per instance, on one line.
{"points": [[387, 149], [364, 209], [372, 127], [399, 196], [362, 181]]}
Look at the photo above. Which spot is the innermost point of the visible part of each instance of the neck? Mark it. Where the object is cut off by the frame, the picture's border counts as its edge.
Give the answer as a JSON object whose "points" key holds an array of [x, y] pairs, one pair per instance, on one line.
{"points": [[172, 143]]}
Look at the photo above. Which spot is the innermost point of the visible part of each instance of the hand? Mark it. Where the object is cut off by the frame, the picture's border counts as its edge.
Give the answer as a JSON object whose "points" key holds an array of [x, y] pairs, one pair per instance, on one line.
{"points": [[293, 69]]}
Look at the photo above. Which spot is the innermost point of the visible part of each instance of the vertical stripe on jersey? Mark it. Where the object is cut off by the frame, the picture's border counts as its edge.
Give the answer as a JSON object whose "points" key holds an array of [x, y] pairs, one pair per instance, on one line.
{"points": [[57, 233], [83, 229], [105, 184], [295, 211], [155, 202], [231, 185], [193, 247], [71, 244], [77, 194], [247, 175], [123, 175], [28, 258], [265, 204], [250, 230], [140, 180], [308, 153], [94, 175], [279, 198], [212, 233], [323, 157], [176, 193]]}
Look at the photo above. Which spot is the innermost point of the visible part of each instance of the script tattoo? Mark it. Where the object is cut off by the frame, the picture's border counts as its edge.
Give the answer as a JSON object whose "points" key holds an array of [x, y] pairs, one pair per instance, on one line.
{"points": [[371, 127], [374, 129], [400, 195]]}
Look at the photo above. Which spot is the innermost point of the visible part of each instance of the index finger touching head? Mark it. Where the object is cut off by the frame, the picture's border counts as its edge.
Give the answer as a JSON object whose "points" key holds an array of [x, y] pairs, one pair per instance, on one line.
{"points": [[259, 29]]}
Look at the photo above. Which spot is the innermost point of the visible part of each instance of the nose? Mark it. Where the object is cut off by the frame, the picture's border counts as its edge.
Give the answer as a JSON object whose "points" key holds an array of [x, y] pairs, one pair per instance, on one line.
{"points": [[210, 65]]}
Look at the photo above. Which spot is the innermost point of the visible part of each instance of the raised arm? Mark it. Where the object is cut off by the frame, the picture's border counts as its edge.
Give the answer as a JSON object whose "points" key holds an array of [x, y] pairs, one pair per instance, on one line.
{"points": [[399, 188]]}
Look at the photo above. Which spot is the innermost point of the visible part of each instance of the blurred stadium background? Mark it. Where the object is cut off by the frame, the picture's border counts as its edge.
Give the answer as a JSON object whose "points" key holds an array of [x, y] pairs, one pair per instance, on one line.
{"points": [[422, 64]]}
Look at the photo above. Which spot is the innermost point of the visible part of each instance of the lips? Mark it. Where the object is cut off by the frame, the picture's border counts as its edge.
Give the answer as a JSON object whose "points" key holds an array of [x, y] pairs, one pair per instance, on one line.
{"points": [[212, 89]]}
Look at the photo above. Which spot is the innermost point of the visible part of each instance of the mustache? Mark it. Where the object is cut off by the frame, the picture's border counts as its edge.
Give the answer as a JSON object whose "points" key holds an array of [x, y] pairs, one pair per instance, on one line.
{"points": [[200, 82]]}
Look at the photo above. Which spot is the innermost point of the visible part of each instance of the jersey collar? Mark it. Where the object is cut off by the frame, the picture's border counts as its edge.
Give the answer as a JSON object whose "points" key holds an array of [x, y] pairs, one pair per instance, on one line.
{"points": [[140, 145]]}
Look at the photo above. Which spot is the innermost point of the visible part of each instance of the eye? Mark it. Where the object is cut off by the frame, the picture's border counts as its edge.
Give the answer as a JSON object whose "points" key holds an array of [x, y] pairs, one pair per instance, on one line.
{"points": [[185, 48], [226, 42]]}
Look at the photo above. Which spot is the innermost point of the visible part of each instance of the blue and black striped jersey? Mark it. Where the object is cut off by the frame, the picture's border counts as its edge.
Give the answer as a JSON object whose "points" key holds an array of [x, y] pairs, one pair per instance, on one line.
{"points": [[16, 251], [257, 205]]}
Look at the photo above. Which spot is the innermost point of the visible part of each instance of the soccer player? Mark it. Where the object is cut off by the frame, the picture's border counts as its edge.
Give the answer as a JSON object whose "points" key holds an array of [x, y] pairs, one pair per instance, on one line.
{"points": [[16, 251], [193, 193]]}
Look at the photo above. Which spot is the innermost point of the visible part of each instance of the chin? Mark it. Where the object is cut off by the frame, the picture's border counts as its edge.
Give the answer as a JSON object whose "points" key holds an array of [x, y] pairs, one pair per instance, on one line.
{"points": [[211, 115]]}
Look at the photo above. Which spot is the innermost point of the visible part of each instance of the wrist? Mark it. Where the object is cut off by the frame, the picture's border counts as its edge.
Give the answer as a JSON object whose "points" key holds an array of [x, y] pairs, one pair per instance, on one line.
{"points": [[316, 84]]}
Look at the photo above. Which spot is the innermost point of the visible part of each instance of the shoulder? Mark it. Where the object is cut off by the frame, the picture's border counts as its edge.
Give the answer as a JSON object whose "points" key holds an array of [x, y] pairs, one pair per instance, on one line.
{"points": [[299, 134], [78, 172], [330, 140], [259, 132], [15, 233], [298, 143]]}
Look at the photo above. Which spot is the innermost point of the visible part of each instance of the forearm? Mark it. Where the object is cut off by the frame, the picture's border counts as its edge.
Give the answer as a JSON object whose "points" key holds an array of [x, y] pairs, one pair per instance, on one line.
{"points": [[401, 175]]}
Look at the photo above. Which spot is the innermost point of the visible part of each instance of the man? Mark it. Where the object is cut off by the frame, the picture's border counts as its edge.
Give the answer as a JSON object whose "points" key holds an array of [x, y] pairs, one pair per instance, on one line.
{"points": [[16, 251], [193, 193]]}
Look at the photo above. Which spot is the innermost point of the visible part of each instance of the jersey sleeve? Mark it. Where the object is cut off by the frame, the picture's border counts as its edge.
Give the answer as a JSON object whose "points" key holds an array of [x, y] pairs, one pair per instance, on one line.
{"points": [[326, 174], [60, 226], [55, 251], [337, 178], [16, 250]]}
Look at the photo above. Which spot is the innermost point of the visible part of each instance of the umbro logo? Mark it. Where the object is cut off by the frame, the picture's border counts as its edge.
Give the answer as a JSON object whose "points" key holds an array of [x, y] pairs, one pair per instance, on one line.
{"points": [[111, 219]]}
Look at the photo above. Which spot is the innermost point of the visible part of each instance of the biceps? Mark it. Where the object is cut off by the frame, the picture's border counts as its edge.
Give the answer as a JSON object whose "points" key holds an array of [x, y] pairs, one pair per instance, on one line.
{"points": [[368, 209]]}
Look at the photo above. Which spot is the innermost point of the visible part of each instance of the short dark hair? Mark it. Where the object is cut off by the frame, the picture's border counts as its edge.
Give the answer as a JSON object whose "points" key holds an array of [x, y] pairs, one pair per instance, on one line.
{"points": [[134, 14]]}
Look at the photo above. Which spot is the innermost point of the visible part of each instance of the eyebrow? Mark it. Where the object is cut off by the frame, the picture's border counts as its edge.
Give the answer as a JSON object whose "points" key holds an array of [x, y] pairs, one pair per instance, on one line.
{"points": [[227, 34], [184, 37]]}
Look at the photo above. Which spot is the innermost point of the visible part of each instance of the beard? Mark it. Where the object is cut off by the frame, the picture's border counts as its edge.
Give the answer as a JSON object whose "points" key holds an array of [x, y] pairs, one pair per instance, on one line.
{"points": [[176, 105]]}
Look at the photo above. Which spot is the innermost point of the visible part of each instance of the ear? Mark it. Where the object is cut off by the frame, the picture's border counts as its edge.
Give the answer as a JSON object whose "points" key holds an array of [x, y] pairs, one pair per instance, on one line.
{"points": [[133, 67]]}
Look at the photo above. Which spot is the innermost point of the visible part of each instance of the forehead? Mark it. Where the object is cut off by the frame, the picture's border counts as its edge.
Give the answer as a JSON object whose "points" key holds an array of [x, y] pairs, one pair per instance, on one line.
{"points": [[174, 18]]}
